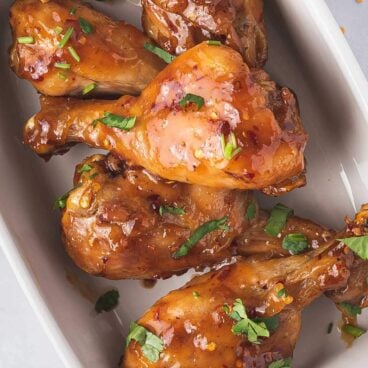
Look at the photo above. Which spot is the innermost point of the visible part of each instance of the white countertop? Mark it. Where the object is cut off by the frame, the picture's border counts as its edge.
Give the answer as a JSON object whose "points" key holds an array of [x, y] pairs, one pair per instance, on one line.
{"points": [[23, 343]]}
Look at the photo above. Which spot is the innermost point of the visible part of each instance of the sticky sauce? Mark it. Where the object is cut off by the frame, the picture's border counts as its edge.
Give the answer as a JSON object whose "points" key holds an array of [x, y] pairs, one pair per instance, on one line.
{"points": [[148, 283], [80, 286]]}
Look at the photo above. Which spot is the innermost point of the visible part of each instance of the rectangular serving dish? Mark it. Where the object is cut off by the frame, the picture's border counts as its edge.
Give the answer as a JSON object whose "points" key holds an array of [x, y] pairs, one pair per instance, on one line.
{"points": [[308, 53]]}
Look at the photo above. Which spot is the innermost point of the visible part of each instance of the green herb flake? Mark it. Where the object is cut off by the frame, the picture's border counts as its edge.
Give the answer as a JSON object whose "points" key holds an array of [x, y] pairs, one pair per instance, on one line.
{"points": [[272, 323], [199, 233], [164, 55], [171, 209], [58, 30], [62, 76], [196, 294], [74, 54], [251, 211], [60, 202], [358, 244], [277, 220], [86, 26], [26, 40], [117, 121], [151, 344], [66, 37], [282, 363], [85, 168], [354, 331], [230, 148], [89, 88], [192, 99], [329, 328], [295, 243], [245, 326], [62, 65], [350, 309], [92, 176], [282, 293], [107, 301], [214, 43], [72, 11]]}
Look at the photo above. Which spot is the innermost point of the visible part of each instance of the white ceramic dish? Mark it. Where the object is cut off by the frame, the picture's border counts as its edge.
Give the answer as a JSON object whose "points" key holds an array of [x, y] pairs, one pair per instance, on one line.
{"points": [[309, 54]]}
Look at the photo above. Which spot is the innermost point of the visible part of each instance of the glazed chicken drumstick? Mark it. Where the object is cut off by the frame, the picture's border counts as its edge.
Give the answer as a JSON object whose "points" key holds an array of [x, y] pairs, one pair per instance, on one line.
{"points": [[98, 56], [244, 315], [103, 56], [122, 222], [205, 119], [179, 25]]}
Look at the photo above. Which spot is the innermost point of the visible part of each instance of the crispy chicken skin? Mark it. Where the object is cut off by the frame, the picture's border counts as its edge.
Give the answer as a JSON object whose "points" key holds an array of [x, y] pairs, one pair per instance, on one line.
{"points": [[179, 25], [112, 225], [111, 56], [185, 144], [197, 331]]}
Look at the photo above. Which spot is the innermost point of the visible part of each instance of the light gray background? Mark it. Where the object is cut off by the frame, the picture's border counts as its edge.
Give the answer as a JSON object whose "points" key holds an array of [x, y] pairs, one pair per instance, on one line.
{"points": [[23, 343]]}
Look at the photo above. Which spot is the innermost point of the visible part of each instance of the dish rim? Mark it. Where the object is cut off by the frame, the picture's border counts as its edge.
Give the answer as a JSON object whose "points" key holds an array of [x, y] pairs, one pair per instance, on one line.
{"points": [[354, 78]]}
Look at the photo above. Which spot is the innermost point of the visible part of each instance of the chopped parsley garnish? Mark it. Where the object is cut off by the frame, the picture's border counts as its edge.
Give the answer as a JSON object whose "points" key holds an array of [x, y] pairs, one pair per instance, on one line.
{"points": [[230, 148], [66, 37], [196, 294], [151, 344], [86, 26], [74, 54], [58, 30], [171, 209], [62, 76], [214, 43], [107, 301], [62, 65], [199, 233], [26, 40], [329, 328], [88, 88], [277, 220], [358, 244], [272, 323], [282, 293], [350, 309], [85, 168], [117, 121], [60, 202], [72, 11], [251, 211], [164, 55], [295, 243], [282, 363], [354, 331], [93, 176], [193, 99], [245, 326]]}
